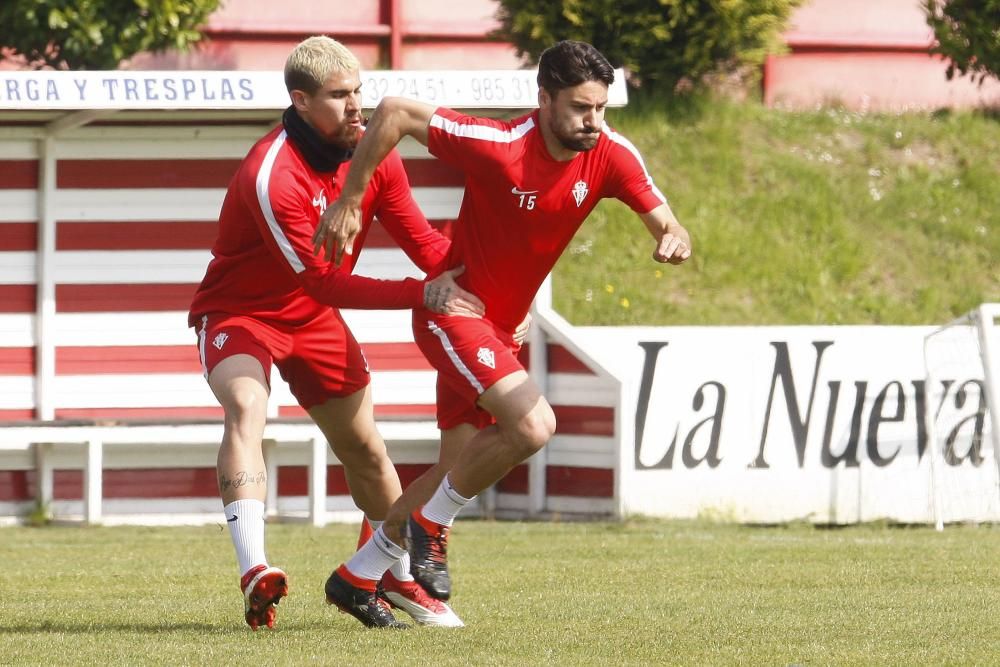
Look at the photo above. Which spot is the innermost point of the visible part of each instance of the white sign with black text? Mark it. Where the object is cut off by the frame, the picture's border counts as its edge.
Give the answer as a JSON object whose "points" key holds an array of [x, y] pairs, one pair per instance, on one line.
{"points": [[771, 424]]}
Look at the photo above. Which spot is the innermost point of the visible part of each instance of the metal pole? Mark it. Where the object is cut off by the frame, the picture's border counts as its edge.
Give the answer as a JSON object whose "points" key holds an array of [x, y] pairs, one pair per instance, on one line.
{"points": [[985, 324], [539, 372], [45, 294], [395, 34]]}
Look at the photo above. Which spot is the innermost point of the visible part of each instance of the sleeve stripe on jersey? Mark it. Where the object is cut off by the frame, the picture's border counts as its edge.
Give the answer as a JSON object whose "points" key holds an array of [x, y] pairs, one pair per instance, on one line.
{"points": [[264, 199], [625, 143], [483, 132]]}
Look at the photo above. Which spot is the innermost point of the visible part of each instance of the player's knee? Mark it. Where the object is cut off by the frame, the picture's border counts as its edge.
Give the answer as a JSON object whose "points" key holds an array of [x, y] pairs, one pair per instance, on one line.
{"points": [[246, 410], [535, 429]]}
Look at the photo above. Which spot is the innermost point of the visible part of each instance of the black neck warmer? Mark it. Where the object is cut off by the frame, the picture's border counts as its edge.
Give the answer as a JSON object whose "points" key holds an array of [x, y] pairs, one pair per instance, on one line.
{"points": [[320, 155]]}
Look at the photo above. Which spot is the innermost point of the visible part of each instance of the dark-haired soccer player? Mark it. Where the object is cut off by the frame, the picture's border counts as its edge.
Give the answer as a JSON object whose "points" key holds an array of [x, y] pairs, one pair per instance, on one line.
{"points": [[267, 299], [530, 183]]}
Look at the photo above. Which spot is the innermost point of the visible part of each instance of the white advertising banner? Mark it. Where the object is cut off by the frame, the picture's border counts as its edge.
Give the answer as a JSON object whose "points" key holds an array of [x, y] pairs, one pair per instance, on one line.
{"points": [[124, 89], [773, 424]]}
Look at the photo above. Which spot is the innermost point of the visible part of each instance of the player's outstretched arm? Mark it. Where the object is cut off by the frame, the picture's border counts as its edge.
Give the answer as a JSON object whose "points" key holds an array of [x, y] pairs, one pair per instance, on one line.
{"points": [[673, 243], [393, 119]]}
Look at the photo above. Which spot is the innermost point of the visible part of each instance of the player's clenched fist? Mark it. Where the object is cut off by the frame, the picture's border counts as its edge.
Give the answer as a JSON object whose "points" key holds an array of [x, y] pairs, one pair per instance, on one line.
{"points": [[673, 248]]}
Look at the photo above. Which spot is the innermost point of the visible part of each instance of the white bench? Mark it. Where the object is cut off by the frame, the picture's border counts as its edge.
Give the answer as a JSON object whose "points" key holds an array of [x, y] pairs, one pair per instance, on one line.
{"points": [[46, 446]]}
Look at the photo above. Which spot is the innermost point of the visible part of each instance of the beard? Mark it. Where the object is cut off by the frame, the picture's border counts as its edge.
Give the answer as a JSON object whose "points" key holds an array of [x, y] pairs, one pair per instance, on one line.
{"points": [[578, 141], [347, 137]]}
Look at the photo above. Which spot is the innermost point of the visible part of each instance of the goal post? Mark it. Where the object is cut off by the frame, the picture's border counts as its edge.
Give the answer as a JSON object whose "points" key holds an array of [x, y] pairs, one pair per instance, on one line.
{"points": [[961, 417]]}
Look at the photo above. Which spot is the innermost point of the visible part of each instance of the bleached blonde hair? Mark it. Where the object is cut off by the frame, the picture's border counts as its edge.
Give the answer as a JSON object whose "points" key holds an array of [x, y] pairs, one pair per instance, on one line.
{"points": [[313, 60]]}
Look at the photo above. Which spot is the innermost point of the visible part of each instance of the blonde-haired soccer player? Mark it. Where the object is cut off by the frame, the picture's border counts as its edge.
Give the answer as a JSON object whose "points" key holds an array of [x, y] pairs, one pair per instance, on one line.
{"points": [[266, 299]]}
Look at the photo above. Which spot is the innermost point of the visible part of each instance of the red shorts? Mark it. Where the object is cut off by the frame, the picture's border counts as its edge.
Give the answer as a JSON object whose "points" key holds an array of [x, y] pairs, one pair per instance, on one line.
{"points": [[319, 360], [470, 356]]}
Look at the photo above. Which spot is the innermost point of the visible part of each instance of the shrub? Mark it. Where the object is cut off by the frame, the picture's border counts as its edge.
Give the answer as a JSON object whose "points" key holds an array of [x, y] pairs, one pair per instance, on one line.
{"points": [[659, 42], [968, 35], [96, 34]]}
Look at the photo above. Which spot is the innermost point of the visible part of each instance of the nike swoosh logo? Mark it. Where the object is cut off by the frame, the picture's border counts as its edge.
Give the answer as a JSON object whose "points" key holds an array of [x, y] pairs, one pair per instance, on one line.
{"points": [[320, 199], [515, 191], [235, 517]]}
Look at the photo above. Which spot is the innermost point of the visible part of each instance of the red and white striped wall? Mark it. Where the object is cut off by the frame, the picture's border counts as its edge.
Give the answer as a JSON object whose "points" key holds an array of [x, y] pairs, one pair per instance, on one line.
{"points": [[105, 231], [134, 219]]}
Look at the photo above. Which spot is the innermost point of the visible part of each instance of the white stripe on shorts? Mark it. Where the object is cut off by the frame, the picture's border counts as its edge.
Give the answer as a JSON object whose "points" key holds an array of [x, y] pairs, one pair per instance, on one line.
{"points": [[462, 368], [201, 346]]}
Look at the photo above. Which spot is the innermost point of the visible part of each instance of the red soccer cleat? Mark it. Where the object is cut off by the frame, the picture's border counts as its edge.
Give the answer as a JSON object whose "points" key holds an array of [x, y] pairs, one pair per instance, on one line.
{"points": [[263, 587], [414, 600]]}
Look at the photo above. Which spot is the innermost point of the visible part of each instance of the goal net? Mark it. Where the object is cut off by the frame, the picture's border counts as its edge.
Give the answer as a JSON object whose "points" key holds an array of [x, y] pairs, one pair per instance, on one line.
{"points": [[961, 417]]}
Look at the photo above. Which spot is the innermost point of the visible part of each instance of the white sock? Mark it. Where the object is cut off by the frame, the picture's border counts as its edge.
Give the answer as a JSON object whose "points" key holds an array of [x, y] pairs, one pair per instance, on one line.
{"points": [[246, 527], [445, 504], [376, 556], [401, 568]]}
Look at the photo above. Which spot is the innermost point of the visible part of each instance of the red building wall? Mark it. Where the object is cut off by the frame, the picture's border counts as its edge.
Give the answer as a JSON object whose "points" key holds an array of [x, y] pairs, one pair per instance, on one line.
{"points": [[384, 34], [866, 54]]}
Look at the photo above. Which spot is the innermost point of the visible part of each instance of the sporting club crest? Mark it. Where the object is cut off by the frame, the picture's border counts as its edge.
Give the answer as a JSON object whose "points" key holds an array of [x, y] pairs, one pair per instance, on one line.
{"points": [[220, 340], [486, 358], [580, 192]]}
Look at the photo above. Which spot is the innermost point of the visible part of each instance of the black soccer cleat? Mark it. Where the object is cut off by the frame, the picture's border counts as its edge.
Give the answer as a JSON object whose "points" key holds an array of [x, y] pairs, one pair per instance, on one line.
{"points": [[428, 546], [366, 606]]}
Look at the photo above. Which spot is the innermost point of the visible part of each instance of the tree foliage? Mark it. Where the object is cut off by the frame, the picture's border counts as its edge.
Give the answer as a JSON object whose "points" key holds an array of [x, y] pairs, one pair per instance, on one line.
{"points": [[968, 35], [659, 42], [97, 34]]}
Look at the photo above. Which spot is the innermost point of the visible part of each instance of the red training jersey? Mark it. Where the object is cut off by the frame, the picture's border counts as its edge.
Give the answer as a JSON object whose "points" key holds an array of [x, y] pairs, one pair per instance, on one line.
{"points": [[262, 261], [521, 206]]}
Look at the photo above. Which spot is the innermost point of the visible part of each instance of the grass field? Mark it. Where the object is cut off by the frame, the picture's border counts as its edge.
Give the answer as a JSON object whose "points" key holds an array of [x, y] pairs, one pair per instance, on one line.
{"points": [[824, 217], [636, 593]]}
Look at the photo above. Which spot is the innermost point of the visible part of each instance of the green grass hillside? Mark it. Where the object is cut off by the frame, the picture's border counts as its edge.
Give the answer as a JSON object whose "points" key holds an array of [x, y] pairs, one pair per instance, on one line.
{"points": [[825, 217]]}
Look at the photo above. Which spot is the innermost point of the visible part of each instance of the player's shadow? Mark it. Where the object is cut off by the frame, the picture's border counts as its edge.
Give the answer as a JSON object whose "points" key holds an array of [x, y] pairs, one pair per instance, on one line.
{"points": [[43, 627], [89, 628]]}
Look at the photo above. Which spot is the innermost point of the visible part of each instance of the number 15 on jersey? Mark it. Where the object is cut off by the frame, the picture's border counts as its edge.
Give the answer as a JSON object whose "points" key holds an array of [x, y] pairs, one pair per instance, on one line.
{"points": [[526, 197]]}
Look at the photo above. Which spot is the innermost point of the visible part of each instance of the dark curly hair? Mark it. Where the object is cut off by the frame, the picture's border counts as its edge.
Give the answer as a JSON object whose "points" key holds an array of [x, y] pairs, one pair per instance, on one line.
{"points": [[568, 63]]}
